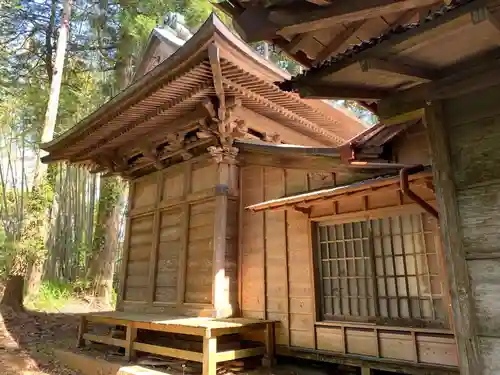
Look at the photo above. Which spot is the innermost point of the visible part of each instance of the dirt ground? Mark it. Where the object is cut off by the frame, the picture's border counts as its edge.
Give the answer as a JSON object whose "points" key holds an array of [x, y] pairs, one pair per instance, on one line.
{"points": [[27, 341]]}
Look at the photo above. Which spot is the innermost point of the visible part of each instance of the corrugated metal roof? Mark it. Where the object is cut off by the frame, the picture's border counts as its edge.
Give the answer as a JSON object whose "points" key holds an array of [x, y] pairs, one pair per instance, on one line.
{"points": [[364, 45]]}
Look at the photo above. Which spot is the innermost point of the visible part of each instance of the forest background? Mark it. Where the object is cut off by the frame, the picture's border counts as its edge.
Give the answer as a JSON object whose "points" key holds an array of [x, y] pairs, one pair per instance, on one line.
{"points": [[60, 226]]}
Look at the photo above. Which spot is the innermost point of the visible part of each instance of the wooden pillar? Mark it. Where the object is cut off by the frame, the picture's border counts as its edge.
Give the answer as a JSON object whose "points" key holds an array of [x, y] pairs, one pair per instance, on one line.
{"points": [[209, 356], [268, 359], [130, 339], [464, 324], [224, 256], [82, 329]]}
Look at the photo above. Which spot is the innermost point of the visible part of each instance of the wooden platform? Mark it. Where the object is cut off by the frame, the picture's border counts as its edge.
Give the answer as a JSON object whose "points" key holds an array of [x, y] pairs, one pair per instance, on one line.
{"points": [[207, 328]]}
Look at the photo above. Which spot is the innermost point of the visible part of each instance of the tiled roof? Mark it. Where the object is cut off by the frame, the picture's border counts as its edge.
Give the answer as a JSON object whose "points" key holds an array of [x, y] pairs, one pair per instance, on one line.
{"points": [[354, 50]]}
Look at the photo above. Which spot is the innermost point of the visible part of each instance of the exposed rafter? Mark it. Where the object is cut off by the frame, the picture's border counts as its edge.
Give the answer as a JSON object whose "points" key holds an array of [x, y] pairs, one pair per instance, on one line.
{"points": [[402, 41], [200, 90], [338, 41], [294, 21], [214, 58], [341, 92], [414, 72], [335, 140]]}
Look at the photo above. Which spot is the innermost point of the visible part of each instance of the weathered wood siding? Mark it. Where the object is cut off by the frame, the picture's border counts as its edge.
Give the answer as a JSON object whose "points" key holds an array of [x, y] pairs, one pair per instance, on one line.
{"points": [[473, 126], [277, 272], [169, 248], [411, 147], [276, 280]]}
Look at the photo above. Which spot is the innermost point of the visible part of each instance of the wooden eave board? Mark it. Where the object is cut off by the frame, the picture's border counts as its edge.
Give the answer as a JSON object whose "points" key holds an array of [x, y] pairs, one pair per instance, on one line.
{"points": [[374, 184], [178, 84]]}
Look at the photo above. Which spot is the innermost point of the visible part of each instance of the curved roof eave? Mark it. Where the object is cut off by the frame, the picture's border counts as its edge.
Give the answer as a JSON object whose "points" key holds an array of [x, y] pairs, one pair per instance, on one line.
{"points": [[210, 30]]}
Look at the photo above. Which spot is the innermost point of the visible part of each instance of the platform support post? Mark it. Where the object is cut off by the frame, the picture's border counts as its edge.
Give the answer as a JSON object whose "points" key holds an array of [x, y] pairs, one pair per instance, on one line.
{"points": [[130, 339], [209, 355], [82, 329], [268, 359]]}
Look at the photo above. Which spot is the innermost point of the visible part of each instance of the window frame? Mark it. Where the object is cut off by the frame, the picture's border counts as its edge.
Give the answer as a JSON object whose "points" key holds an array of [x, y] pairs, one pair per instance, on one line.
{"points": [[364, 217]]}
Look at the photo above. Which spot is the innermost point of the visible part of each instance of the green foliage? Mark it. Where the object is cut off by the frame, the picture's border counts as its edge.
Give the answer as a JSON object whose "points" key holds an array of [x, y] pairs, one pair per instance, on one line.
{"points": [[52, 296]]}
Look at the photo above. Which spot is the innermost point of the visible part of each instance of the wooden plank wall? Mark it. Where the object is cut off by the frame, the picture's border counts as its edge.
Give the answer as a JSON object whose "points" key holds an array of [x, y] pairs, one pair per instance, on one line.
{"points": [[277, 271], [169, 244], [411, 147], [473, 128], [274, 246]]}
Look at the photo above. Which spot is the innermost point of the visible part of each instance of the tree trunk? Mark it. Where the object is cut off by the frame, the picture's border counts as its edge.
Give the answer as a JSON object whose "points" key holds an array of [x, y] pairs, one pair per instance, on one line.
{"points": [[13, 294], [105, 244], [41, 198]]}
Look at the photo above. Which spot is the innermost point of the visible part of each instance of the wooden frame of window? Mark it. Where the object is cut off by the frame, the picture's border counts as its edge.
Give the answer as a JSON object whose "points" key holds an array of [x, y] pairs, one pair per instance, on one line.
{"points": [[383, 270]]}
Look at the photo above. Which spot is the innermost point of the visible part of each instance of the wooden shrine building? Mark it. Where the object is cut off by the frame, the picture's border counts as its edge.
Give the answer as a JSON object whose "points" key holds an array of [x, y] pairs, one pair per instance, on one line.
{"points": [[442, 70]]}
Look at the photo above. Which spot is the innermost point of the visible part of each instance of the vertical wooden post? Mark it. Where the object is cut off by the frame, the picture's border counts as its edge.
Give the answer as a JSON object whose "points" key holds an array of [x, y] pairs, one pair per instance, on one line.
{"points": [[209, 355], [82, 329], [126, 250], [268, 359], [130, 339], [153, 259], [181, 275], [226, 185], [456, 264], [366, 371]]}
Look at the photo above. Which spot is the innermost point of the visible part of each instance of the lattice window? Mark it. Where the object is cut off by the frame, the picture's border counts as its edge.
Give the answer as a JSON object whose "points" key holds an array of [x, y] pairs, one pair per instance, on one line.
{"points": [[381, 270]]}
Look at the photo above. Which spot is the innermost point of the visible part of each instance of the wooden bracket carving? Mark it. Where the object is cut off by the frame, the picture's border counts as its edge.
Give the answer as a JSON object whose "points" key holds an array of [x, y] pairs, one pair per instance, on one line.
{"points": [[272, 138], [223, 154], [151, 153], [113, 162], [225, 128], [176, 142]]}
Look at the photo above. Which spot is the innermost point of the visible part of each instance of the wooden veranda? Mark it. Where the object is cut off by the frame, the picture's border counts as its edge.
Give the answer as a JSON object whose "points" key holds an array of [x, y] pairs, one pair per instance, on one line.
{"points": [[207, 329]]}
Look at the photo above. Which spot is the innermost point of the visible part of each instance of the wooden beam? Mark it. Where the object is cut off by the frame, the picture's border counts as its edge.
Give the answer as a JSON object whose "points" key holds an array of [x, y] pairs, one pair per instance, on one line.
{"points": [[214, 58], [477, 73], [415, 73], [253, 25], [168, 155], [320, 2], [298, 40], [483, 14], [296, 21], [155, 137], [342, 92], [231, 355], [168, 352], [338, 40], [105, 340], [464, 314]]}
